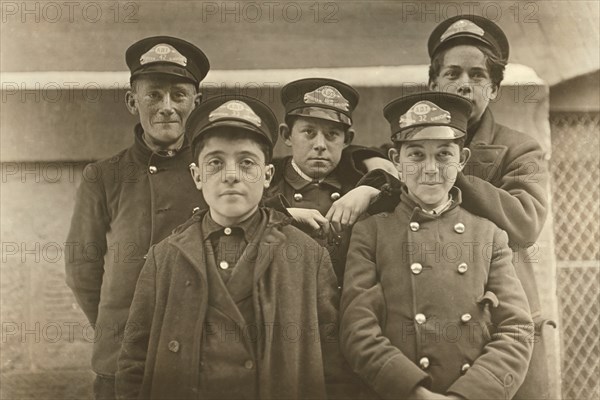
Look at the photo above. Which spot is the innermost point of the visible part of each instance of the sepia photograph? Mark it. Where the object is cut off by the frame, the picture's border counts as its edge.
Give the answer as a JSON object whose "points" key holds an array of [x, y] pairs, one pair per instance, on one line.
{"points": [[300, 199]]}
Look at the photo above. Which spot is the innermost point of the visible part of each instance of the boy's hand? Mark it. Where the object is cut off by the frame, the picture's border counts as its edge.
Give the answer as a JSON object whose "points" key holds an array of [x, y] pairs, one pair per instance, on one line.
{"points": [[380, 163], [310, 217], [345, 211]]}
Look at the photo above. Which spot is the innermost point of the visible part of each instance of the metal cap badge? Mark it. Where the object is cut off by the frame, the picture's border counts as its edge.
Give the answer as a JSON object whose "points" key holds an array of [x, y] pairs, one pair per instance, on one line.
{"points": [[428, 115]]}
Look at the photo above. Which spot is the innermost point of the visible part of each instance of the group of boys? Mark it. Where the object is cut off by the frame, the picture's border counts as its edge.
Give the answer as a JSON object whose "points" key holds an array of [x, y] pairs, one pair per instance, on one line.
{"points": [[231, 287]]}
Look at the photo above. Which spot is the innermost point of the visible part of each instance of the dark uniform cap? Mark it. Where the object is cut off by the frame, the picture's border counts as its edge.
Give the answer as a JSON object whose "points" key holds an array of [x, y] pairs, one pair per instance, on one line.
{"points": [[469, 29], [167, 55], [320, 98], [235, 111], [428, 115]]}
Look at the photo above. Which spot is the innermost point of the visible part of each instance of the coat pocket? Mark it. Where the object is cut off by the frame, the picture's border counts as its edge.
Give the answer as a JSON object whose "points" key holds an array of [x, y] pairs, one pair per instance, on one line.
{"points": [[487, 300]]}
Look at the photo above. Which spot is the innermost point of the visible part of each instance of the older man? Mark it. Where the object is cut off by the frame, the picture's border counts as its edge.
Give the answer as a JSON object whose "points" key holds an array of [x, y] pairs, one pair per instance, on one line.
{"points": [[134, 199]]}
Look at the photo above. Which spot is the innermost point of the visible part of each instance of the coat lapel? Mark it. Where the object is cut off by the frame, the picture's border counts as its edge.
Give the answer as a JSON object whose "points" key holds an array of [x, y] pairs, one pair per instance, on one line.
{"points": [[486, 158]]}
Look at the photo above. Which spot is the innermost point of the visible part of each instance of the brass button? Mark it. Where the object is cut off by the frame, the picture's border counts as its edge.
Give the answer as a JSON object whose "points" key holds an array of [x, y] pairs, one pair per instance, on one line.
{"points": [[152, 169], [195, 210], [145, 256], [249, 364], [462, 268], [174, 346], [465, 317], [416, 268], [298, 196], [464, 368], [227, 231], [414, 226], [420, 319], [335, 195], [459, 227], [424, 362], [223, 265]]}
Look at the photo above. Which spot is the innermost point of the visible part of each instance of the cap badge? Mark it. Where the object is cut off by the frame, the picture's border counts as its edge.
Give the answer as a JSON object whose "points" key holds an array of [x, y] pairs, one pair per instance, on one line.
{"points": [[235, 109], [163, 53], [459, 26], [327, 95], [424, 112]]}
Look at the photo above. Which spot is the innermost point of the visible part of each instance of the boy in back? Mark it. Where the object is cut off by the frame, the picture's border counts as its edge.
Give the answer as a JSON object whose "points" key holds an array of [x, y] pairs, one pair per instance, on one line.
{"points": [[237, 303], [432, 307]]}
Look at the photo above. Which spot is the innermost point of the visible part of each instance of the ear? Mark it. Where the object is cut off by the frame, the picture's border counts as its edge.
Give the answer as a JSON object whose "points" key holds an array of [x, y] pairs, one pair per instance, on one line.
{"points": [[131, 102], [348, 137], [465, 154], [196, 175], [493, 92], [269, 173], [394, 156], [284, 132], [197, 99]]}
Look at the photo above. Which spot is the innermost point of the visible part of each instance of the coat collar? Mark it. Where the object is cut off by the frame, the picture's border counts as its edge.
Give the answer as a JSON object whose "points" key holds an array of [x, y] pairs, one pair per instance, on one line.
{"points": [[142, 153], [296, 181], [189, 241], [409, 206], [484, 135]]}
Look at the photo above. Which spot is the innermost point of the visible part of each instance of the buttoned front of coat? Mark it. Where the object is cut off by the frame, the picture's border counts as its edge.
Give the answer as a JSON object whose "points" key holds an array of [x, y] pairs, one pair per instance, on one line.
{"points": [[294, 299]]}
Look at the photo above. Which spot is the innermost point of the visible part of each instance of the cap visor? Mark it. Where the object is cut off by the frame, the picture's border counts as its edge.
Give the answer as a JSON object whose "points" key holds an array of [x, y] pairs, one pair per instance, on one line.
{"points": [[235, 124], [165, 69], [430, 133], [322, 113]]}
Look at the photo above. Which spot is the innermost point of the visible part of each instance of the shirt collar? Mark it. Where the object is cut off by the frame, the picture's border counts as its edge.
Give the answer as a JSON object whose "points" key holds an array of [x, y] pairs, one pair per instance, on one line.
{"points": [[299, 180], [248, 226]]}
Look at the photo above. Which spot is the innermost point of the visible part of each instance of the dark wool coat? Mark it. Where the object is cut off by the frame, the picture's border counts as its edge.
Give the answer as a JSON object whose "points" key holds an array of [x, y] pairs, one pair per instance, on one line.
{"points": [[295, 305], [505, 181], [434, 300], [124, 205]]}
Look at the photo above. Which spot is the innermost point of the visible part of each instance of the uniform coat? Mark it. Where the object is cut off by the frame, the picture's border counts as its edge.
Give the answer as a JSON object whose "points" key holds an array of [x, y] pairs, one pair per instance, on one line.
{"points": [[300, 193], [295, 309], [124, 205], [434, 300], [505, 181]]}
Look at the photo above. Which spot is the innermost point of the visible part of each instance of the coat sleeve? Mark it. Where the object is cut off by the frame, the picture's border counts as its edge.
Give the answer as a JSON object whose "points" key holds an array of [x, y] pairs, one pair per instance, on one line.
{"points": [[134, 348], [86, 243], [503, 364], [371, 355], [518, 202]]}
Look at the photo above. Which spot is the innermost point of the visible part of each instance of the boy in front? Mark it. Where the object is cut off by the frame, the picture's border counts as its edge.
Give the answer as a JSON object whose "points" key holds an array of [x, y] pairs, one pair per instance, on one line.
{"points": [[432, 307], [237, 303]]}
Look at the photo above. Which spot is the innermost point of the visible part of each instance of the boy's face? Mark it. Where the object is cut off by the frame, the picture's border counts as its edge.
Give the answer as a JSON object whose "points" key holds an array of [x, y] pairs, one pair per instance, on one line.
{"points": [[464, 72], [232, 176], [316, 144], [429, 169]]}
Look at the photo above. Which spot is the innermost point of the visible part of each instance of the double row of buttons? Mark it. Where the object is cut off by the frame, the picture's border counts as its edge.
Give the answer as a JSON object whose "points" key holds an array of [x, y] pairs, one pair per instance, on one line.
{"points": [[417, 268]]}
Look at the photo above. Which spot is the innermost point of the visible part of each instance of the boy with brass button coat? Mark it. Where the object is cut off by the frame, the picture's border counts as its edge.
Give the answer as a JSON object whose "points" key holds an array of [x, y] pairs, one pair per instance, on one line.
{"points": [[236, 303], [318, 180], [432, 307]]}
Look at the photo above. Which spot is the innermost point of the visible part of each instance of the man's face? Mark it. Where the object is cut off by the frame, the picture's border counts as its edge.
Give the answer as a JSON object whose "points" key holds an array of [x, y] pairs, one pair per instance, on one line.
{"points": [[429, 169], [163, 104], [232, 176], [317, 145], [465, 73]]}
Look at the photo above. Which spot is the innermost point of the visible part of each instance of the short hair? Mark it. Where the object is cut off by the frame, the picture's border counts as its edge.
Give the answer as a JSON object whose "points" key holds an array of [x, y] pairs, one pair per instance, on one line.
{"points": [[460, 142], [232, 134], [495, 65]]}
